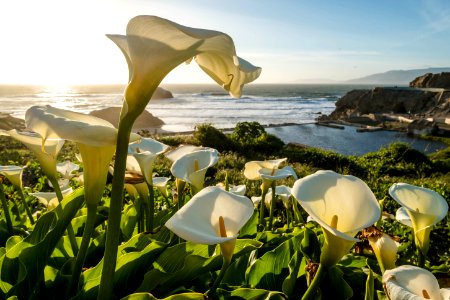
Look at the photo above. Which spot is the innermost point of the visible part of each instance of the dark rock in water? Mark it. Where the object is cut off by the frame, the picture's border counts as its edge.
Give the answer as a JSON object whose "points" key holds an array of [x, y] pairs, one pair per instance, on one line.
{"points": [[8, 122], [429, 80], [422, 126], [144, 121], [161, 93]]}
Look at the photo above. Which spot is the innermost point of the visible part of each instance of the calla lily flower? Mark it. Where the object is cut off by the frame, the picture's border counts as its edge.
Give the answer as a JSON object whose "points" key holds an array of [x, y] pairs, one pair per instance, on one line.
{"points": [[268, 171], [161, 184], [401, 215], [342, 205], [67, 168], [45, 151], [95, 138], [384, 247], [411, 282], [145, 152], [49, 199], [154, 46], [14, 175], [62, 183], [192, 167], [182, 150], [198, 220], [424, 207], [235, 189]]}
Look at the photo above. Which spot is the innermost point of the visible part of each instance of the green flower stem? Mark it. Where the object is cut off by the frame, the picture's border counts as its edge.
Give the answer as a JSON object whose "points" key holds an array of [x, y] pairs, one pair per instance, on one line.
{"points": [[420, 259], [150, 209], [70, 232], [6, 210], [315, 284], [180, 191], [297, 215], [27, 209], [115, 209], [223, 270], [261, 209], [139, 215], [81, 256], [272, 205], [288, 218]]}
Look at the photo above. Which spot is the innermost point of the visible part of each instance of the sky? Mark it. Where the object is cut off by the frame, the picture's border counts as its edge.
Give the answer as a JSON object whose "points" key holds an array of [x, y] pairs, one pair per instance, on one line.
{"points": [[58, 42]]}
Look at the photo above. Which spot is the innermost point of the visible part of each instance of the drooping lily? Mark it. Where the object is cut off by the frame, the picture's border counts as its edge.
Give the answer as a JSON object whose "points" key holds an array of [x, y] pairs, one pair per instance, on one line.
{"points": [[268, 171], [14, 175], [425, 209], [411, 282], [96, 140], [384, 247], [213, 216], [152, 48], [192, 167], [45, 151], [342, 205]]}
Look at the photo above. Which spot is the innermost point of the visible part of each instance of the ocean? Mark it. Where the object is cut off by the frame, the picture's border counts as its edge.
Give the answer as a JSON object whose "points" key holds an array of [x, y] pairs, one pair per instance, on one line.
{"points": [[268, 104]]}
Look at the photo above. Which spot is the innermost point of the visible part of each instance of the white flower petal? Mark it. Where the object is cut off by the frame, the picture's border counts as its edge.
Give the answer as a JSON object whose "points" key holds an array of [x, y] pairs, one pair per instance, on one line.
{"points": [[402, 216], [182, 150], [14, 174]]}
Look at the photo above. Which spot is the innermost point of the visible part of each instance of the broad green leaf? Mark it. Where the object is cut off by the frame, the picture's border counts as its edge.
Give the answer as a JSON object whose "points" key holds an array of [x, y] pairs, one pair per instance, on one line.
{"points": [[370, 289], [353, 261], [23, 265], [250, 228], [310, 245], [181, 263], [250, 294], [12, 241], [134, 258], [235, 274], [147, 296], [270, 270], [290, 282], [333, 285], [128, 221]]}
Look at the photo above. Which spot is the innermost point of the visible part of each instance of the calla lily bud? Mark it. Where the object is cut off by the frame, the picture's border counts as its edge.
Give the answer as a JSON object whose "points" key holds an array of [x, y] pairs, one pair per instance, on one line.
{"points": [[411, 282], [212, 216], [424, 207], [342, 205], [14, 175], [383, 246]]}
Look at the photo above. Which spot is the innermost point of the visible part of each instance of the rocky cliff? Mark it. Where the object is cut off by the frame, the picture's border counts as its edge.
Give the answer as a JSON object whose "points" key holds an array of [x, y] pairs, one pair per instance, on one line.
{"points": [[429, 80]]}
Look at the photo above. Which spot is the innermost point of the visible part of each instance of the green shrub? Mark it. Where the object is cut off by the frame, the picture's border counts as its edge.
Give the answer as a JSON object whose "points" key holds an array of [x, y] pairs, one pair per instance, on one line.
{"points": [[209, 136]]}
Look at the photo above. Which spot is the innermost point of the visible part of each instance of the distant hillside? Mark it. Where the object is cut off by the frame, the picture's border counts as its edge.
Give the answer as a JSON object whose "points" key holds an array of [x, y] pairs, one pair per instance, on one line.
{"points": [[396, 77]]}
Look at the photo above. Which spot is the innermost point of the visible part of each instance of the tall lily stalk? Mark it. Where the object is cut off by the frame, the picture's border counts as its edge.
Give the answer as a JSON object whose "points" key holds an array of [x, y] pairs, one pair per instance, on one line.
{"points": [[152, 47]]}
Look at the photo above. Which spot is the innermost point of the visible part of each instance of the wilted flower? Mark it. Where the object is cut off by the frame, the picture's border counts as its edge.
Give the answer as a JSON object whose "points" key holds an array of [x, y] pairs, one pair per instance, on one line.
{"points": [[342, 205], [424, 207], [383, 246], [411, 282]]}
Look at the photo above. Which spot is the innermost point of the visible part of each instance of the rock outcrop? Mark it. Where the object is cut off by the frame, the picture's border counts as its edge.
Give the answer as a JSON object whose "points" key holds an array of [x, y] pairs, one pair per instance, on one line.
{"points": [[8, 122], [429, 80], [161, 93], [145, 121]]}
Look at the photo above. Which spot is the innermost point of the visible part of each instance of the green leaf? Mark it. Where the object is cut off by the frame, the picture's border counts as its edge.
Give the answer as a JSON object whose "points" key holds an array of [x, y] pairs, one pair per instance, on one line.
{"points": [[23, 264], [333, 285], [353, 261], [250, 228], [182, 263], [310, 245], [134, 258], [296, 266], [147, 296], [250, 294], [370, 289], [269, 271]]}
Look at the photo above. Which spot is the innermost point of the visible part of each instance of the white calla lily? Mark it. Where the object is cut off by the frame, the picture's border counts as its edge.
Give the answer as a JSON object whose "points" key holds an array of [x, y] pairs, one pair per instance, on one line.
{"points": [[384, 247], [341, 204], [154, 46], [161, 184], [235, 189], [254, 169], [182, 150], [67, 168], [14, 175], [95, 138], [401, 215], [192, 167], [198, 220], [49, 199], [45, 151], [411, 282], [145, 152], [424, 207]]}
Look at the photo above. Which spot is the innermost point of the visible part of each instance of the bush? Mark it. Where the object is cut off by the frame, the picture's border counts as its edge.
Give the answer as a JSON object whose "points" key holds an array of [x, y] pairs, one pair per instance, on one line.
{"points": [[251, 138]]}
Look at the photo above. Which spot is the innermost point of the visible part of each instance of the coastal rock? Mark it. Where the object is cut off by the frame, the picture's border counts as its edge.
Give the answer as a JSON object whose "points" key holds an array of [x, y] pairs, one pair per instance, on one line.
{"points": [[429, 80], [8, 122], [161, 93], [145, 121]]}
